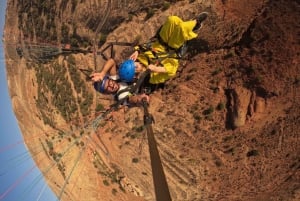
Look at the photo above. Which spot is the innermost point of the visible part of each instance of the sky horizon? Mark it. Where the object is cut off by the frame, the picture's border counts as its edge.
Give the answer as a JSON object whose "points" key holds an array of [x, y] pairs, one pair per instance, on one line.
{"points": [[20, 178]]}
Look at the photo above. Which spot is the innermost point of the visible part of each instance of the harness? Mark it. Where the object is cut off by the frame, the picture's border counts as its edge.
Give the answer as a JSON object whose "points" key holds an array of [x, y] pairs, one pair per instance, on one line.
{"points": [[132, 89], [159, 56]]}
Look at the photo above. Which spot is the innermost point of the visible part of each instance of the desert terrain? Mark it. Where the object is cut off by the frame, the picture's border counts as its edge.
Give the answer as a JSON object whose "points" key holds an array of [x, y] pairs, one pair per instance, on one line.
{"points": [[227, 125]]}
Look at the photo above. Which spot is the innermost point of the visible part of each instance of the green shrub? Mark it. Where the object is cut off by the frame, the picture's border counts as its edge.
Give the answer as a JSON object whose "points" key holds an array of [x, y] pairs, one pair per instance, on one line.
{"points": [[220, 106], [105, 182], [208, 111], [252, 153], [197, 117], [139, 128], [130, 16], [166, 5], [99, 107], [102, 37], [114, 191], [150, 13], [216, 72]]}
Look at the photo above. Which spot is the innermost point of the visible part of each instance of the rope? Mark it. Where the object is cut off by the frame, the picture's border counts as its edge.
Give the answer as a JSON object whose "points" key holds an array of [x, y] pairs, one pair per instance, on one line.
{"points": [[41, 192], [11, 146], [69, 176], [11, 165], [104, 149], [25, 156], [16, 183], [27, 191], [111, 46], [99, 27]]}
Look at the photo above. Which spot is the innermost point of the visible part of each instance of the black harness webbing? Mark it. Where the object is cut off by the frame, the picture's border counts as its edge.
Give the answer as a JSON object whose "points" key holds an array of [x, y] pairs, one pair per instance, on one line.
{"points": [[133, 89], [159, 56]]}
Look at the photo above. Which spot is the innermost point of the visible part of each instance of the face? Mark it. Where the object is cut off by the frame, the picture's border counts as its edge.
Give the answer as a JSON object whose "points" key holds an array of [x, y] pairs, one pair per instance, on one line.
{"points": [[138, 67], [111, 86]]}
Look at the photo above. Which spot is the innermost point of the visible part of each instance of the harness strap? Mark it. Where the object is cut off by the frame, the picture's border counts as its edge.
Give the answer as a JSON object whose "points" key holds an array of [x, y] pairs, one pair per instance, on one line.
{"points": [[137, 86], [132, 89], [160, 40], [127, 89], [161, 55]]}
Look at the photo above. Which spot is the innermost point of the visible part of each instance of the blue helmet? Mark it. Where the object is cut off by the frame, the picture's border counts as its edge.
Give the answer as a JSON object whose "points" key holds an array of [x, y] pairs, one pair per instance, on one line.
{"points": [[99, 86], [127, 71]]}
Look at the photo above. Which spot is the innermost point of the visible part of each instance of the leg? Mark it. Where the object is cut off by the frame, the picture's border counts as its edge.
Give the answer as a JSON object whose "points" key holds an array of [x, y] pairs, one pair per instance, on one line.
{"points": [[175, 32], [202, 17]]}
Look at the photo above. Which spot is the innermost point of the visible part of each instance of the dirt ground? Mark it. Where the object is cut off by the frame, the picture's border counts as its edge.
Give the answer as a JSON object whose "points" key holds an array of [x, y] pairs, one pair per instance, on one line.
{"points": [[227, 126]]}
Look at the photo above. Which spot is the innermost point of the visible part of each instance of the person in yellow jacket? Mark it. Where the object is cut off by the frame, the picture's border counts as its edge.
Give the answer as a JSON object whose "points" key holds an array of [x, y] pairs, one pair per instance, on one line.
{"points": [[162, 58]]}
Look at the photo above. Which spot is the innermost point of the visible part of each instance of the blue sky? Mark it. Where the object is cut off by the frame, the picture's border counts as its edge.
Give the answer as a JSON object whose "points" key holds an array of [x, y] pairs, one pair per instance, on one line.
{"points": [[20, 179]]}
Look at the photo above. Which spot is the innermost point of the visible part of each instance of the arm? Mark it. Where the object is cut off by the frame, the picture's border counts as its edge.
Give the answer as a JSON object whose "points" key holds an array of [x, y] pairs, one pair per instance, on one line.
{"points": [[109, 67], [134, 55], [157, 69]]}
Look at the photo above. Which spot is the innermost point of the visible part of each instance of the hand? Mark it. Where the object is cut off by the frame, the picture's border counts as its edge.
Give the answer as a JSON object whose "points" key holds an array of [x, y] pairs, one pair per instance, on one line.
{"points": [[157, 69], [134, 55], [97, 77], [152, 67], [138, 99], [144, 97]]}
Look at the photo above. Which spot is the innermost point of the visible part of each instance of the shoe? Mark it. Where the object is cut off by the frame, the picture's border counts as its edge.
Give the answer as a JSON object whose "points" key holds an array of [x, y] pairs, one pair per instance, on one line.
{"points": [[181, 52], [202, 17]]}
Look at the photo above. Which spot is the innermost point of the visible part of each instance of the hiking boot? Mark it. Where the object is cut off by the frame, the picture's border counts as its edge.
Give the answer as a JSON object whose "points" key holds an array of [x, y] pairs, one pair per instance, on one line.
{"points": [[181, 52], [201, 18]]}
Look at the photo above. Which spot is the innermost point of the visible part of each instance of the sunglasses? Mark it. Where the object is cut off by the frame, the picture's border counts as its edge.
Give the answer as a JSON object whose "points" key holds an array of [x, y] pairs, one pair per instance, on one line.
{"points": [[110, 85]]}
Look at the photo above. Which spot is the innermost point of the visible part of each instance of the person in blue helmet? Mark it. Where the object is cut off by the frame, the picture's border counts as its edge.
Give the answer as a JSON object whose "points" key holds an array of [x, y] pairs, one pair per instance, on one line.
{"points": [[108, 81]]}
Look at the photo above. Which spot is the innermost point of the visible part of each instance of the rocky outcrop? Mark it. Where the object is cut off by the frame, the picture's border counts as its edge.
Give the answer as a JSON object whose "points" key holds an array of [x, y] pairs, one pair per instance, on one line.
{"points": [[240, 99], [243, 104]]}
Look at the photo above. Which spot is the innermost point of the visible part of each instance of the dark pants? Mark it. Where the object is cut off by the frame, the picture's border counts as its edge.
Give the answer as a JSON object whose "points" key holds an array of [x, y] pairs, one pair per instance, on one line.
{"points": [[149, 88]]}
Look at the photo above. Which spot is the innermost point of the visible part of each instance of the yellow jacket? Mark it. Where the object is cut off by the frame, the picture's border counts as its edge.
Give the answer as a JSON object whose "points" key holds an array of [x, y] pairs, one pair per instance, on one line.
{"points": [[174, 33]]}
